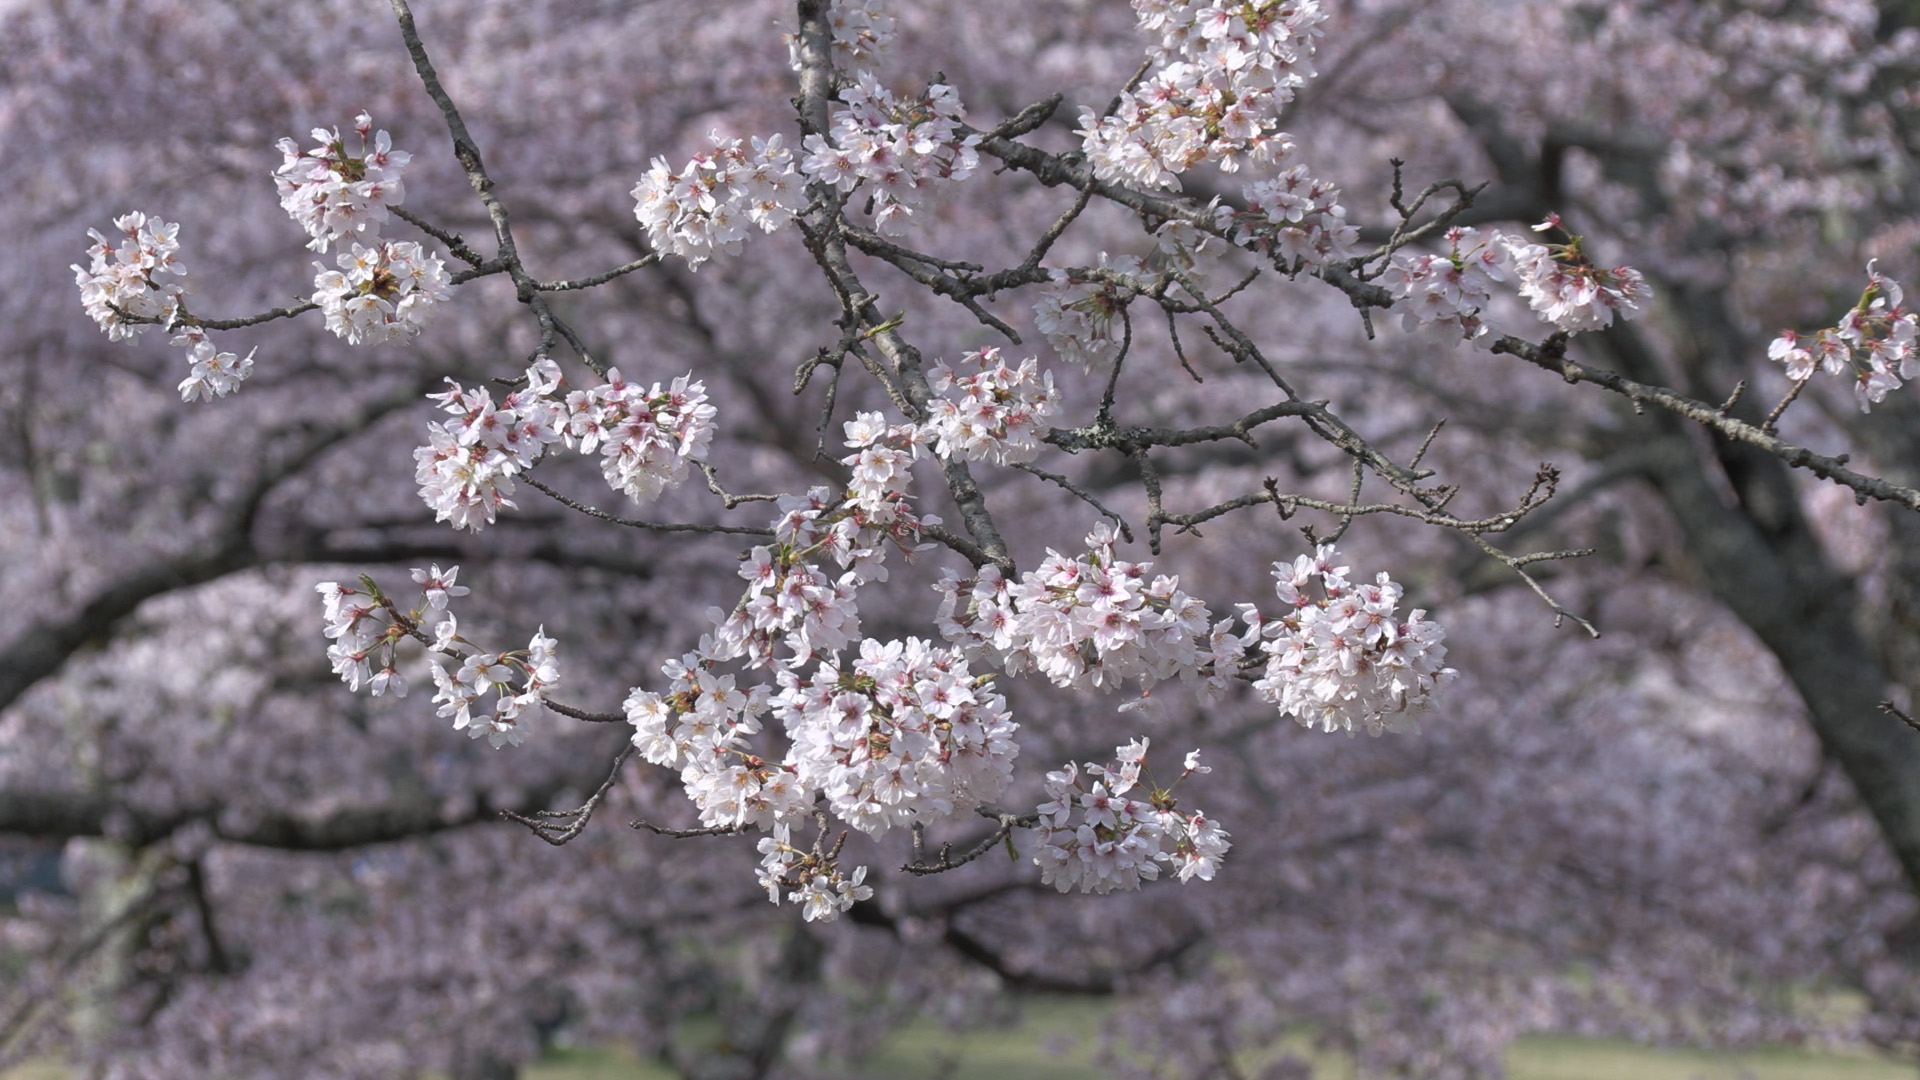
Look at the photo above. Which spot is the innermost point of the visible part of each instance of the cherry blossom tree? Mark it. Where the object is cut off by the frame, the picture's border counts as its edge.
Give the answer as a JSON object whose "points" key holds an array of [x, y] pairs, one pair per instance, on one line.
{"points": [[905, 437]]}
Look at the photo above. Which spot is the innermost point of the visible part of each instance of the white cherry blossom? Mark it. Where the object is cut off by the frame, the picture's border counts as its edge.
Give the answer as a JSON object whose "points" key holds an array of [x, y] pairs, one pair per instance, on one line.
{"points": [[1874, 342], [1564, 288], [997, 414], [1099, 831], [128, 275], [1092, 621], [1447, 295], [1346, 659], [903, 732], [1220, 72], [902, 149], [705, 207], [213, 373], [466, 470], [335, 195], [384, 294], [646, 438]]}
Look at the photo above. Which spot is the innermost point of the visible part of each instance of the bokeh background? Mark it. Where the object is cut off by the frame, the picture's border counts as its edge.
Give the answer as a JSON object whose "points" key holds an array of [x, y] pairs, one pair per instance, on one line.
{"points": [[1696, 830]]}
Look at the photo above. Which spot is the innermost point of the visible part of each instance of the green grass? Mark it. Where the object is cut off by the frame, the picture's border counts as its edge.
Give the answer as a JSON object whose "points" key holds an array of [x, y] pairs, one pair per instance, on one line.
{"points": [[1022, 1053], [1546, 1057], [594, 1063]]}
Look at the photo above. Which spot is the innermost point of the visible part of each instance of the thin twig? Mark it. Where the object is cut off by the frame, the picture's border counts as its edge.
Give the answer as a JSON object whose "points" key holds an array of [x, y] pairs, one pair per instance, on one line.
{"points": [[1893, 710], [730, 499], [557, 827], [683, 834], [1006, 823], [1551, 355], [582, 714], [634, 523], [467, 152], [1126, 533], [1773, 415], [598, 279]]}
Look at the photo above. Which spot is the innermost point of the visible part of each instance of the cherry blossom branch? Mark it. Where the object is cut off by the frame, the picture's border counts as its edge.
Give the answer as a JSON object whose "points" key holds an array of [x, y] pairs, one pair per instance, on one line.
{"points": [[1402, 235], [967, 549], [1005, 824], [455, 243], [925, 269], [1550, 355], [557, 827], [635, 523], [965, 283], [600, 278], [731, 500], [1126, 532], [1103, 419], [1774, 414], [684, 834], [467, 152], [1899, 714], [1347, 512], [1518, 564], [582, 714], [1053, 169], [183, 317], [1537, 495], [824, 239]]}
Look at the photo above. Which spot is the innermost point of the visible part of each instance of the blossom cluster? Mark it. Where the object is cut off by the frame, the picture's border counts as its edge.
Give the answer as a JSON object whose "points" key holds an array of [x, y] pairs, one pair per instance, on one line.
{"points": [[997, 414], [365, 624], [335, 195], [904, 148], [466, 470], [361, 627], [703, 726], [126, 275], [645, 438], [1094, 620], [1221, 70], [381, 294], [1448, 294], [876, 510], [382, 291], [790, 600], [862, 33], [1566, 289], [1346, 659], [706, 206], [1084, 317], [1874, 342], [1095, 838], [903, 732], [1297, 220], [213, 373], [809, 879], [536, 669], [881, 463]]}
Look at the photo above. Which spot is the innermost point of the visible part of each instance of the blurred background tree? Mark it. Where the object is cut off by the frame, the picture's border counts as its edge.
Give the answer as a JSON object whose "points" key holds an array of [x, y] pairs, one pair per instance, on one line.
{"points": [[221, 863]]}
